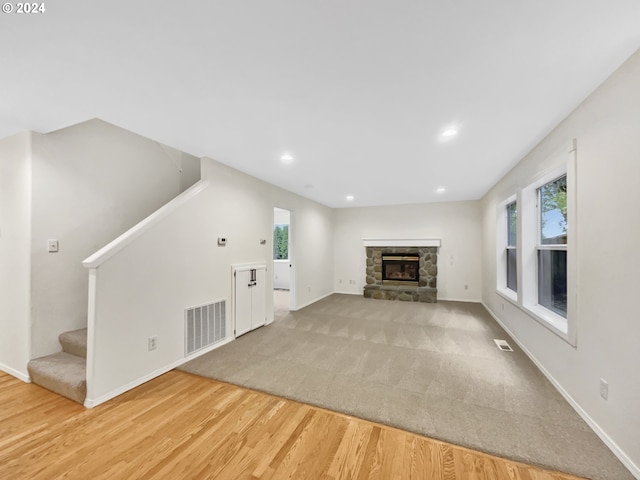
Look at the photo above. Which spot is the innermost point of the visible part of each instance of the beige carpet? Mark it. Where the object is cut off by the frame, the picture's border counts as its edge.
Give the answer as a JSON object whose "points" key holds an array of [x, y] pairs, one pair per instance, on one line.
{"points": [[428, 368]]}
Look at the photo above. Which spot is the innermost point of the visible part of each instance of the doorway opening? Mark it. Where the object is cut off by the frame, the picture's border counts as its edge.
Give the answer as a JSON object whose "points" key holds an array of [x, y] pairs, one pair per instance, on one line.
{"points": [[283, 294]]}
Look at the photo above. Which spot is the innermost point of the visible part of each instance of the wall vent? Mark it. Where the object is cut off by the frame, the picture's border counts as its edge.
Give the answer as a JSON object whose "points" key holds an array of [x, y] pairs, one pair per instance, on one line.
{"points": [[204, 325], [503, 345]]}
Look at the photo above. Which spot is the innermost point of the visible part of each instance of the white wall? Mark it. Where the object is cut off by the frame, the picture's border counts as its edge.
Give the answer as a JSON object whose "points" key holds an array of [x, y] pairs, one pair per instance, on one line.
{"points": [[457, 224], [15, 233], [606, 127], [91, 182], [175, 263]]}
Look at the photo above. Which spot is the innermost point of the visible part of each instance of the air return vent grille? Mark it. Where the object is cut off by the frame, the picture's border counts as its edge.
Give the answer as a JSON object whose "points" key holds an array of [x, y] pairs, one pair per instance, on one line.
{"points": [[204, 325], [503, 345]]}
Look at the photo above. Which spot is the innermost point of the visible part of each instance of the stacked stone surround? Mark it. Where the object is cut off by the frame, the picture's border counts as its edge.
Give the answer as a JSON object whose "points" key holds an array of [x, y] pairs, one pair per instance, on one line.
{"points": [[426, 290]]}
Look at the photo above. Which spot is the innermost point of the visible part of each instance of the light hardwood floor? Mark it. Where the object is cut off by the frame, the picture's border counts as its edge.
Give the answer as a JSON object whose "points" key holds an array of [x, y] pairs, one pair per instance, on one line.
{"points": [[180, 426]]}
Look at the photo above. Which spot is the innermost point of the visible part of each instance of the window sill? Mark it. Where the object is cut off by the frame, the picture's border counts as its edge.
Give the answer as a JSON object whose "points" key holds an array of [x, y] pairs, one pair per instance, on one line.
{"points": [[508, 294], [548, 319], [552, 321]]}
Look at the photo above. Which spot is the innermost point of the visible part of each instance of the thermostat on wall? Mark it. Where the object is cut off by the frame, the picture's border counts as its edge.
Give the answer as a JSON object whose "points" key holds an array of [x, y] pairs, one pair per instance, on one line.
{"points": [[222, 241]]}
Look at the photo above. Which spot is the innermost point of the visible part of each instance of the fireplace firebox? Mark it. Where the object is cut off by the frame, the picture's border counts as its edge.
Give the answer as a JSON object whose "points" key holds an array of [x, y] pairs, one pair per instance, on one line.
{"points": [[400, 269]]}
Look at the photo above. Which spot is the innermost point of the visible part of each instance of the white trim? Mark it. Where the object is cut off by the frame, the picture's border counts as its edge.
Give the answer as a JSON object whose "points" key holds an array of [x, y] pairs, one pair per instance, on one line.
{"points": [[549, 319], [94, 402], [502, 245], [15, 373], [550, 246], [463, 300], [399, 242], [300, 307], [508, 294], [109, 250], [609, 442], [573, 273], [348, 293], [564, 163], [91, 326], [243, 267]]}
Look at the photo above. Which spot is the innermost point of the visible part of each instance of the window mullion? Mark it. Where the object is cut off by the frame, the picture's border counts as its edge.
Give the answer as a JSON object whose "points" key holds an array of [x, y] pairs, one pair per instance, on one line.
{"points": [[561, 246]]}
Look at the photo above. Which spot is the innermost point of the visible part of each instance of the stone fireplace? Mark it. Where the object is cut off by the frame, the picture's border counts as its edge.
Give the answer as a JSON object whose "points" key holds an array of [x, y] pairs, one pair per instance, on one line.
{"points": [[399, 272]]}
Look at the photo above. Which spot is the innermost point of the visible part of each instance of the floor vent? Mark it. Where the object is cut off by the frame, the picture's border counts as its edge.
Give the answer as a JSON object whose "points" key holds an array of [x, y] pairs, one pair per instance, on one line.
{"points": [[503, 345], [204, 325]]}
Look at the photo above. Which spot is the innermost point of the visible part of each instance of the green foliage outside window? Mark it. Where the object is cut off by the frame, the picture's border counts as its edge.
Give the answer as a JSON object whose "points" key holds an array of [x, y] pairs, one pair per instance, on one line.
{"points": [[553, 211], [281, 242]]}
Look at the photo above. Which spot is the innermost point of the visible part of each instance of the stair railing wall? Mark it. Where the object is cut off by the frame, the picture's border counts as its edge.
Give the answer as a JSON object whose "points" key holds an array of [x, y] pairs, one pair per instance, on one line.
{"points": [[132, 297]]}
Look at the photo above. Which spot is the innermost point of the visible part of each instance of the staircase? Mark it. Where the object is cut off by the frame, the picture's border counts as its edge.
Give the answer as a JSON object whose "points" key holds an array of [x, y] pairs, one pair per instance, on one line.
{"points": [[64, 373]]}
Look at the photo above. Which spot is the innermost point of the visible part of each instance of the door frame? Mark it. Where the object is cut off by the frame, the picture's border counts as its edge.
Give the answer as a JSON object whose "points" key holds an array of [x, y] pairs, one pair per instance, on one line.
{"points": [[292, 265]]}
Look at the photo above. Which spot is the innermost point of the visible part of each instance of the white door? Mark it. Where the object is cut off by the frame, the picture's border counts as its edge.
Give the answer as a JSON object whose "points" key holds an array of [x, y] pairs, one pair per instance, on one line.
{"points": [[243, 307], [258, 294], [250, 298]]}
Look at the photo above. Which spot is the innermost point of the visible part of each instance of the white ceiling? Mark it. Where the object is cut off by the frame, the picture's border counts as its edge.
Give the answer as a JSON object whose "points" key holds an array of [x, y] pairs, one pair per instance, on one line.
{"points": [[356, 90]]}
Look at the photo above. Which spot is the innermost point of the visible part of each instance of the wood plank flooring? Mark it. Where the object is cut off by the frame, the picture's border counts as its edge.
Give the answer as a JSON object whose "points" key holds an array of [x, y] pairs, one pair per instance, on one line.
{"points": [[180, 426]]}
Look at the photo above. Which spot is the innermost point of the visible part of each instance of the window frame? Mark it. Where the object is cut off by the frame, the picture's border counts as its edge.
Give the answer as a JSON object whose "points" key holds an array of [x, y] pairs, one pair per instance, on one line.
{"points": [[502, 245], [540, 246], [529, 243], [509, 246]]}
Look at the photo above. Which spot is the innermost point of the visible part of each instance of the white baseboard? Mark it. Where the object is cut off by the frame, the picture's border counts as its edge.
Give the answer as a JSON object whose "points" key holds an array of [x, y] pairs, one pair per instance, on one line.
{"points": [[349, 293], [300, 307], [617, 451], [94, 402], [465, 300], [15, 373]]}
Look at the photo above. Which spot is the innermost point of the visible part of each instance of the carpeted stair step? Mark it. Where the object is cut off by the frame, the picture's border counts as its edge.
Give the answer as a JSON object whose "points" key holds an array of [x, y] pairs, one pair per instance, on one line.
{"points": [[61, 373], [74, 342]]}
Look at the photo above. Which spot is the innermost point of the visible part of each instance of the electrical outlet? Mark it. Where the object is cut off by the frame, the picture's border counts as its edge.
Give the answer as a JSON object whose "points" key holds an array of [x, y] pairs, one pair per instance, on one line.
{"points": [[466, 287], [604, 389], [152, 343], [309, 288]]}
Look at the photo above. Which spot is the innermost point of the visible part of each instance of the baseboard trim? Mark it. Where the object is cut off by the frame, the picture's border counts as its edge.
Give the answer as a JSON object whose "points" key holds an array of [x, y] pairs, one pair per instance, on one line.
{"points": [[465, 300], [15, 373], [609, 442], [300, 307], [348, 293], [94, 402]]}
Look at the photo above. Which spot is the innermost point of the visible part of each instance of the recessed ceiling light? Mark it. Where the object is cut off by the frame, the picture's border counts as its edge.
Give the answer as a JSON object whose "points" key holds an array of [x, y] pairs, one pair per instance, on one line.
{"points": [[349, 197], [449, 132], [441, 190], [286, 158]]}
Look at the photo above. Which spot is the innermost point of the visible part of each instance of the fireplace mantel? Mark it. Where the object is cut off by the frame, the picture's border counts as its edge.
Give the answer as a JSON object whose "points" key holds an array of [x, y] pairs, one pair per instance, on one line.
{"points": [[401, 242]]}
